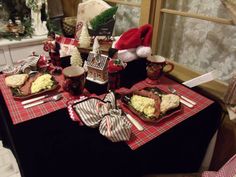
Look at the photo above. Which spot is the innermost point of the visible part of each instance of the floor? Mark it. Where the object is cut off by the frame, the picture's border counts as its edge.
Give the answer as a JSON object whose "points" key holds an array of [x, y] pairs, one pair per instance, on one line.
{"points": [[8, 165]]}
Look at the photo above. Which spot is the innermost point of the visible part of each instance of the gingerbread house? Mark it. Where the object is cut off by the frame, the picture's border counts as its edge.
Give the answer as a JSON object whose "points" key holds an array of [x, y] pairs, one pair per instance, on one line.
{"points": [[97, 68]]}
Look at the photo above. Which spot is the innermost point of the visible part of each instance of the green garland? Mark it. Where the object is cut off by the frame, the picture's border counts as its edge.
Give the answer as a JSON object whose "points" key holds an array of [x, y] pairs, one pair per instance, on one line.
{"points": [[32, 4], [27, 33], [28, 28]]}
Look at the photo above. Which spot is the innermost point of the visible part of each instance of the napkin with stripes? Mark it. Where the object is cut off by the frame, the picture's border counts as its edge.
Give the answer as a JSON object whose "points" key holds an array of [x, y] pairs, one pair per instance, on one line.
{"points": [[103, 114]]}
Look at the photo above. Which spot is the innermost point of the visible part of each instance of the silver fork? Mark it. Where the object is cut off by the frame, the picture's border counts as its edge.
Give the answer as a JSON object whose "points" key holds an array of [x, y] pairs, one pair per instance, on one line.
{"points": [[53, 98], [172, 90]]}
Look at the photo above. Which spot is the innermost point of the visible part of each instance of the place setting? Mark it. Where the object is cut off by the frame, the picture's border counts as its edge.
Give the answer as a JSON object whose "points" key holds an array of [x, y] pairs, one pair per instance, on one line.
{"points": [[135, 112], [85, 81], [134, 116], [157, 66]]}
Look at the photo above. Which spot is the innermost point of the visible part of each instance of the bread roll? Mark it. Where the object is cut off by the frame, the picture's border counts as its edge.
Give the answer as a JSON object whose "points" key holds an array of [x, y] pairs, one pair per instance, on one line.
{"points": [[16, 80], [169, 101]]}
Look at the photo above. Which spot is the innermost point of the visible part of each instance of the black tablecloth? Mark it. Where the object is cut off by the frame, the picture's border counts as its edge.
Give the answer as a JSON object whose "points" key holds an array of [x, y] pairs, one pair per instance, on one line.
{"points": [[54, 145]]}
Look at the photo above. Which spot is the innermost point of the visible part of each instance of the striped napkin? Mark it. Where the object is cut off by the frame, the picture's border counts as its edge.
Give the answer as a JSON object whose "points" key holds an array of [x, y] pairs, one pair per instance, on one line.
{"points": [[103, 114]]}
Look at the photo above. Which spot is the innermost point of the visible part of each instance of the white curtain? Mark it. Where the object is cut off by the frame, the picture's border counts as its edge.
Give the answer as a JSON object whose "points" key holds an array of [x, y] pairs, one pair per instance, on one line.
{"points": [[200, 45], [127, 17]]}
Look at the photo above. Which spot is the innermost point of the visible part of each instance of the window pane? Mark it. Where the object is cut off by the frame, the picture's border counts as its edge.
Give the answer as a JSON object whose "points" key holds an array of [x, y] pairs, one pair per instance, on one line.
{"points": [[127, 17], [200, 45]]}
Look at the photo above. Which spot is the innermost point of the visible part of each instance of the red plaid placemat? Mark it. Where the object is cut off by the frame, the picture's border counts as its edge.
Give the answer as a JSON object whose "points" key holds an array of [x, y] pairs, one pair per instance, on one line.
{"points": [[19, 114], [152, 130]]}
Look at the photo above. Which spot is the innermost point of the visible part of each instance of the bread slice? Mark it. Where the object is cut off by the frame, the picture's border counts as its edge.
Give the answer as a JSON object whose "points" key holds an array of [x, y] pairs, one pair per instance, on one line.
{"points": [[16, 80], [168, 102]]}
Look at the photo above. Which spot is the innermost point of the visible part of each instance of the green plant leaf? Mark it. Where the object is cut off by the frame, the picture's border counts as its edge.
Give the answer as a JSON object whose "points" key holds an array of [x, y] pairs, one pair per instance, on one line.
{"points": [[103, 17]]}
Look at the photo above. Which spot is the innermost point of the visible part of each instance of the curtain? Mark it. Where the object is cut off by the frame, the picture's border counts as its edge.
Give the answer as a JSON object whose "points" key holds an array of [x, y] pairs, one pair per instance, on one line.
{"points": [[200, 45], [126, 17]]}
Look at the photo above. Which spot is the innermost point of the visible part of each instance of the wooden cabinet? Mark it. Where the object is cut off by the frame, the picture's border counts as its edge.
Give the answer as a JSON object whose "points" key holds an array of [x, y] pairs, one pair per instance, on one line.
{"points": [[11, 52]]}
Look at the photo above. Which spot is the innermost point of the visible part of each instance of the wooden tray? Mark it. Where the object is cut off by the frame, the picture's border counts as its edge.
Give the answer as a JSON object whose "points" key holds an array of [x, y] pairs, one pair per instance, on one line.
{"points": [[126, 101]]}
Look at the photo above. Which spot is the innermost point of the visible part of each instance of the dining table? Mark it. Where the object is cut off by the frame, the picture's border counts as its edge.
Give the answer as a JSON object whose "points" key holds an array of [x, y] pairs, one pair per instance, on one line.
{"points": [[47, 141]]}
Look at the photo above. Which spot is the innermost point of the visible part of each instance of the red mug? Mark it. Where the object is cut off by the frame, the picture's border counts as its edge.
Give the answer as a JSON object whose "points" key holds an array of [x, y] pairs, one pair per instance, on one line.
{"points": [[74, 79], [155, 67]]}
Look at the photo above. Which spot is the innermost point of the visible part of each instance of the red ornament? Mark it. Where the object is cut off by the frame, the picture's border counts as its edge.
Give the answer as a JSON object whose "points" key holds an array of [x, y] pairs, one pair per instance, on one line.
{"points": [[42, 62]]}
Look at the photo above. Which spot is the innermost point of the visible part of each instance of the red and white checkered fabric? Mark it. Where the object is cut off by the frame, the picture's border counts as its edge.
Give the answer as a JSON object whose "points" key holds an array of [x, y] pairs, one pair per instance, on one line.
{"points": [[228, 170], [66, 40]]}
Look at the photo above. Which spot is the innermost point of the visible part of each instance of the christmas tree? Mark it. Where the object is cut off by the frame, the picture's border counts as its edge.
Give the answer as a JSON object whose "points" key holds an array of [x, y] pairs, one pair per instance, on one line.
{"points": [[75, 59], [84, 39], [96, 47]]}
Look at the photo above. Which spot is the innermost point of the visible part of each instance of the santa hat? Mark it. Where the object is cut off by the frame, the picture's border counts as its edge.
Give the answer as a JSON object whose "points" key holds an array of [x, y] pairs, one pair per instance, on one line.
{"points": [[135, 43]]}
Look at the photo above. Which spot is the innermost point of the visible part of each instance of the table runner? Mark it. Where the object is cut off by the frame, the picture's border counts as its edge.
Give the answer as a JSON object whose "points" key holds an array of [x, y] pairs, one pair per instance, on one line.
{"points": [[152, 130]]}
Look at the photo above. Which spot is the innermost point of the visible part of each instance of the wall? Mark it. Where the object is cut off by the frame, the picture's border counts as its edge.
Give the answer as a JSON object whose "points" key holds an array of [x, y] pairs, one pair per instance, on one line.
{"points": [[70, 7]]}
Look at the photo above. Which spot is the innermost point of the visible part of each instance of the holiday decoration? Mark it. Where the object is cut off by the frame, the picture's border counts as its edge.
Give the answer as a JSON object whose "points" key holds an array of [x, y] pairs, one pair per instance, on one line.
{"points": [[84, 39], [96, 46], [84, 12], [36, 7], [103, 24], [76, 59], [18, 30], [103, 18], [97, 68], [52, 46], [115, 65], [42, 63], [135, 43]]}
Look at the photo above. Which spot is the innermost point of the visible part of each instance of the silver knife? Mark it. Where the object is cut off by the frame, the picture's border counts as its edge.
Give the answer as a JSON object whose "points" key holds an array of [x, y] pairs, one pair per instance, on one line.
{"points": [[134, 122], [38, 98], [186, 103], [34, 99]]}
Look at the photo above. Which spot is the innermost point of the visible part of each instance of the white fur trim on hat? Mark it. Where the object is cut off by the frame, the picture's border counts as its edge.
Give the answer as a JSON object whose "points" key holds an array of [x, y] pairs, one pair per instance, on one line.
{"points": [[143, 51], [116, 38], [127, 55]]}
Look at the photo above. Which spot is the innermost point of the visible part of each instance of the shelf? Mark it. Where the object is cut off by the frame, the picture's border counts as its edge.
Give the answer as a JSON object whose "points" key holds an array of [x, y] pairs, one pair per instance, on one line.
{"points": [[6, 42]]}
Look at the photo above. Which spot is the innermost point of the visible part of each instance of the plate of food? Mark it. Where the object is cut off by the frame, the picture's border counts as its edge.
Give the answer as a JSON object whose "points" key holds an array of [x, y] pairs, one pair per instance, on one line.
{"points": [[25, 86], [152, 104]]}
